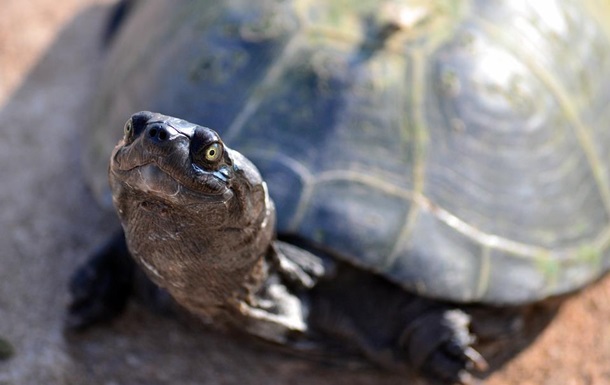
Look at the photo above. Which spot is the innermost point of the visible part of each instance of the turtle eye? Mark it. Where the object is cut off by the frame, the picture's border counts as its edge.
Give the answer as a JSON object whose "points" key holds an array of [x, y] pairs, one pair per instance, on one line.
{"points": [[206, 147], [128, 130], [213, 152], [207, 150]]}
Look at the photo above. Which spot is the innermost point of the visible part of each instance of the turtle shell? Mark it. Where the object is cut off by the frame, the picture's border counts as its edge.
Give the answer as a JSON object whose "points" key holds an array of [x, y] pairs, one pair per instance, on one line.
{"points": [[459, 148]]}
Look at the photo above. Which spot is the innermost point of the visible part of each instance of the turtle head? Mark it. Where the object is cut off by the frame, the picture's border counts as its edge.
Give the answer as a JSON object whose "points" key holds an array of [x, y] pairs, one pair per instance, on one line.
{"points": [[168, 161], [190, 206]]}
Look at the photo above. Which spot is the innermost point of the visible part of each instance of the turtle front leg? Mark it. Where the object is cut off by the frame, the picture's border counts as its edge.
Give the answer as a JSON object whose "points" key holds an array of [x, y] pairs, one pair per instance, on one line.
{"points": [[100, 288], [438, 344], [278, 311]]}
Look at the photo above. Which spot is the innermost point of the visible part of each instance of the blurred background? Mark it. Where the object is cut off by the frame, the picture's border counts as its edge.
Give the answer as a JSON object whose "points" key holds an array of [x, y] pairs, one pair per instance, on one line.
{"points": [[50, 53]]}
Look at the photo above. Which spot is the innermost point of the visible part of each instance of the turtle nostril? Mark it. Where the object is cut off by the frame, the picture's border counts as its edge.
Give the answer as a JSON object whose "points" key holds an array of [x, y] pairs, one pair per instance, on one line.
{"points": [[159, 134]]}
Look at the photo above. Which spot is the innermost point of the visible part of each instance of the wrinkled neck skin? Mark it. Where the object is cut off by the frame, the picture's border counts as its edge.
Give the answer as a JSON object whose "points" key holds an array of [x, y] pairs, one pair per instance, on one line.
{"points": [[207, 251]]}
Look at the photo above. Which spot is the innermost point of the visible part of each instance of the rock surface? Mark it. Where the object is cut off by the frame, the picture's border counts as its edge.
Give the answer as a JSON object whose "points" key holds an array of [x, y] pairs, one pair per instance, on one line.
{"points": [[49, 55]]}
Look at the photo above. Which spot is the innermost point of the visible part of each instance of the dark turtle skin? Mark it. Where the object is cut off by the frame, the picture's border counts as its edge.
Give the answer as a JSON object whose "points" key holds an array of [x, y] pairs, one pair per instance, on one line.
{"points": [[439, 170], [6, 349], [198, 219]]}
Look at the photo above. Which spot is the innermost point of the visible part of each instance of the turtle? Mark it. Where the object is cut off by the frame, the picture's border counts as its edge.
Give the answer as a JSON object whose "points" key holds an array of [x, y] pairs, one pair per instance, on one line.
{"points": [[409, 179]]}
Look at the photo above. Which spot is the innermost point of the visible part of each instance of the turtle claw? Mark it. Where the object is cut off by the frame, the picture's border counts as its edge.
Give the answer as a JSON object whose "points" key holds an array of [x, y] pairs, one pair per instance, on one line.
{"points": [[476, 359], [438, 345]]}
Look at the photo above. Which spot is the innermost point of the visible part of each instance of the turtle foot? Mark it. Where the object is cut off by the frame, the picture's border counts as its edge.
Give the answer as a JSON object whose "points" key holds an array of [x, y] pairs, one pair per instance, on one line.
{"points": [[100, 288], [439, 345]]}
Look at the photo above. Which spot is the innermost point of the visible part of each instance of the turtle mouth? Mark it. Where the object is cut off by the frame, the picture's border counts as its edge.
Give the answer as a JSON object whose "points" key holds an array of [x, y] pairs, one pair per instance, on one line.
{"points": [[147, 178], [155, 180], [171, 176], [120, 168]]}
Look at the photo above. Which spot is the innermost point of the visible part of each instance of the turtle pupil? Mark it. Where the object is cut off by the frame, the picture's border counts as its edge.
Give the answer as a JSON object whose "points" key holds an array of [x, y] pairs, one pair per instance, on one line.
{"points": [[213, 152], [205, 146]]}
